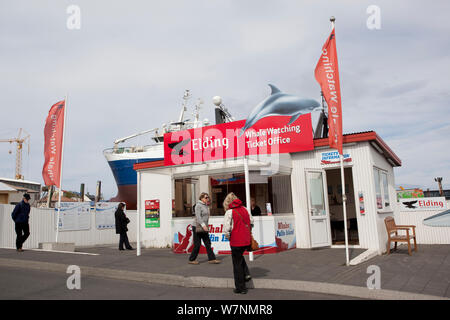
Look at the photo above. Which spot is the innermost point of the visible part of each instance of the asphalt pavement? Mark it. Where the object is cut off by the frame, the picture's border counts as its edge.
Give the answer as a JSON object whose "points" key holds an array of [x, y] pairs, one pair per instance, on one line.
{"points": [[23, 284]]}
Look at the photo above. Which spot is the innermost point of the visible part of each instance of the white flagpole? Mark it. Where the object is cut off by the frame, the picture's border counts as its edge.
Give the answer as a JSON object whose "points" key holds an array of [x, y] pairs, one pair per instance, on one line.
{"points": [[247, 195], [61, 169], [344, 197], [344, 204]]}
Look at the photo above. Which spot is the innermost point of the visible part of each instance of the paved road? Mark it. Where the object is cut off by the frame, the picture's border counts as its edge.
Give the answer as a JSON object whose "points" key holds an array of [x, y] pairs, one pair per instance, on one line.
{"points": [[31, 284]]}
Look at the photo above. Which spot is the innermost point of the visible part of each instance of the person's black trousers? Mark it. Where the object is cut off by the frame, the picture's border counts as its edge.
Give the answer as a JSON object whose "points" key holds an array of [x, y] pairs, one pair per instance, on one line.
{"points": [[124, 240], [23, 232], [240, 268], [198, 237]]}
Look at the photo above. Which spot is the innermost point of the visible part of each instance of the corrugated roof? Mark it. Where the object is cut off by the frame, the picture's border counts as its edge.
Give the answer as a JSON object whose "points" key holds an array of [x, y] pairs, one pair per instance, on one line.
{"points": [[5, 187]]}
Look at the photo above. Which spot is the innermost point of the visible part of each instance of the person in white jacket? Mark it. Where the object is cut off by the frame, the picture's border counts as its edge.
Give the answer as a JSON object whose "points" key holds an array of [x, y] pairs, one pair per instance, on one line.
{"points": [[200, 230]]}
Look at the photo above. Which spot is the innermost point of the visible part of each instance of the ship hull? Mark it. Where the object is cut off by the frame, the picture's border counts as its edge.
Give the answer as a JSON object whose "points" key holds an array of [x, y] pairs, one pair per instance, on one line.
{"points": [[121, 165]]}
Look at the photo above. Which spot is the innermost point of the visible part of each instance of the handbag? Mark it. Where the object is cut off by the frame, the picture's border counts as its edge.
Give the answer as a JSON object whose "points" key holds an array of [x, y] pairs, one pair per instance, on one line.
{"points": [[254, 245]]}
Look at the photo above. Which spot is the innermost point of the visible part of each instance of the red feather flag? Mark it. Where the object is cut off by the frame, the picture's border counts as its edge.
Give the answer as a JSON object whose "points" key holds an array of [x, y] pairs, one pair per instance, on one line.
{"points": [[53, 135], [327, 74]]}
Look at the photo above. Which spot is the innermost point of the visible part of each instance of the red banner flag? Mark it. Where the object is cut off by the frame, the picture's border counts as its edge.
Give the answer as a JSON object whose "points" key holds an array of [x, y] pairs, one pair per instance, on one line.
{"points": [[53, 135], [327, 74]]}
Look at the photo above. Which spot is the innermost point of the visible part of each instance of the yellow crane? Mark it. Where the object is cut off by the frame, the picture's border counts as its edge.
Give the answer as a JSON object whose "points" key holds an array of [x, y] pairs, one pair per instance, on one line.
{"points": [[19, 146]]}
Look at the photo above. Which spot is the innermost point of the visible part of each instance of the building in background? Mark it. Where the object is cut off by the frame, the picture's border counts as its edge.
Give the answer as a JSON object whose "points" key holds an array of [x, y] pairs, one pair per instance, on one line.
{"points": [[12, 190]]}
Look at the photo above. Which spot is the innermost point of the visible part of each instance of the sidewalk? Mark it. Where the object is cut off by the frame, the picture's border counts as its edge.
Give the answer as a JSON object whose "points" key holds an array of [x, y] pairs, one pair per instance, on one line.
{"points": [[426, 272]]}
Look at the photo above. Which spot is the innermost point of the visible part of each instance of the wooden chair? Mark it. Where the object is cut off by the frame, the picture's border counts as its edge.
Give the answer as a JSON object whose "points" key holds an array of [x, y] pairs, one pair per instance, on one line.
{"points": [[391, 228]]}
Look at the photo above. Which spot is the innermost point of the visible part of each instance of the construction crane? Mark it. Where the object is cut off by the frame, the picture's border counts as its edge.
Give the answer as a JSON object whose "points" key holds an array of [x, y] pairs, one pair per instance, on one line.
{"points": [[19, 146]]}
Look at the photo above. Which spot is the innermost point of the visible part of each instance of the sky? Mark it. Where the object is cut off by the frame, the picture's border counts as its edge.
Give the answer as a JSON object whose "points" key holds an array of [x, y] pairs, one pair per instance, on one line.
{"points": [[125, 70]]}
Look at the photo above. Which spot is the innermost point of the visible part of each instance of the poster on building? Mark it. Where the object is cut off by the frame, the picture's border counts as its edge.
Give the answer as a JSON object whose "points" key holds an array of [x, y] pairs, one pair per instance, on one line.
{"points": [[362, 210], [285, 233], [152, 219], [104, 215], [74, 216], [423, 204], [263, 232]]}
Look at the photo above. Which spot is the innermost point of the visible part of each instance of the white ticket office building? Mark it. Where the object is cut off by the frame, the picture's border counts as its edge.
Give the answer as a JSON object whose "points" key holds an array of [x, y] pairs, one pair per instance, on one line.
{"points": [[304, 194]]}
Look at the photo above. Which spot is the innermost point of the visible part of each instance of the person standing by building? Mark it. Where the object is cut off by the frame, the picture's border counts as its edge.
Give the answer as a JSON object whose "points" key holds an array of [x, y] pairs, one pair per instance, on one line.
{"points": [[237, 228], [20, 215], [201, 231], [121, 227], [256, 211]]}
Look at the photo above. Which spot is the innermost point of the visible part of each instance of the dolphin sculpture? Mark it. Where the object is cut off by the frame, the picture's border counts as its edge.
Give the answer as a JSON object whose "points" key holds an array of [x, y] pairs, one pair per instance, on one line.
{"points": [[280, 104]]}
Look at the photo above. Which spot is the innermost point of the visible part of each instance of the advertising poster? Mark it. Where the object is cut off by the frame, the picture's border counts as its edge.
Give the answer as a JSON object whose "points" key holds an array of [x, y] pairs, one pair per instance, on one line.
{"points": [[152, 219], [74, 216], [104, 215], [362, 210], [285, 233], [263, 232]]}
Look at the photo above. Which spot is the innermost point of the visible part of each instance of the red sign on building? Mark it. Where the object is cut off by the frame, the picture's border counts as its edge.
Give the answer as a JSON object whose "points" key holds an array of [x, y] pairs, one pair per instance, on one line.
{"points": [[270, 135]]}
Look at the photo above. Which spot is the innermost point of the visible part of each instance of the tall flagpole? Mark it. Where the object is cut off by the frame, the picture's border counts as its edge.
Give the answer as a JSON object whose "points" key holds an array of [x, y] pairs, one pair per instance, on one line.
{"points": [[247, 195], [344, 197], [61, 170]]}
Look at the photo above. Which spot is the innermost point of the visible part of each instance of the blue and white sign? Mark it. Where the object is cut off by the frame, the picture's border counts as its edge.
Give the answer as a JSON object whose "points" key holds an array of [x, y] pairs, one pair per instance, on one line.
{"points": [[104, 215], [333, 157], [74, 216]]}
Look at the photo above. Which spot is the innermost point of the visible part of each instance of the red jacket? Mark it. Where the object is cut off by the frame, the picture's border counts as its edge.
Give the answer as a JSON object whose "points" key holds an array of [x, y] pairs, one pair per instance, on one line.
{"points": [[240, 234]]}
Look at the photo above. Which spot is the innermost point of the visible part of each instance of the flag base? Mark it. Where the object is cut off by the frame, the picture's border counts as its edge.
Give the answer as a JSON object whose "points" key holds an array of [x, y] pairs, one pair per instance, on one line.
{"points": [[57, 246]]}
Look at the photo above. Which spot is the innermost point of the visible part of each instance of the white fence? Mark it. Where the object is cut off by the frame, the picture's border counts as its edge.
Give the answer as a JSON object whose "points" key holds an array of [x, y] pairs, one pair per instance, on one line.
{"points": [[43, 229], [425, 234]]}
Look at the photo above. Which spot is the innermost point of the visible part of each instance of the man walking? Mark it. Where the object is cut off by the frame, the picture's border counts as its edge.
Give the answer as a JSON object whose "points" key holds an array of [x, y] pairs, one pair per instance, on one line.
{"points": [[200, 230], [20, 215]]}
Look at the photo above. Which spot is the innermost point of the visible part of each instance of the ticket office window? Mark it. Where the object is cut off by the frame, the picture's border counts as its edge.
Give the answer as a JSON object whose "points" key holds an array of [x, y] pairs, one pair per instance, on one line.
{"points": [[270, 193], [185, 191]]}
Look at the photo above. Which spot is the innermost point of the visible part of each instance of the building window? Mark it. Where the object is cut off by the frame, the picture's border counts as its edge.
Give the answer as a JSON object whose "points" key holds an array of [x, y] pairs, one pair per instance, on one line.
{"points": [[185, 197], [273, 193], [381, 189]]}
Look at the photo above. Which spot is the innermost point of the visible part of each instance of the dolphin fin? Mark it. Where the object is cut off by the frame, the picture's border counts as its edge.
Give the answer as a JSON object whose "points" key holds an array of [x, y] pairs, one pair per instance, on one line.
{"points": [[294, 117], [274, 89]]}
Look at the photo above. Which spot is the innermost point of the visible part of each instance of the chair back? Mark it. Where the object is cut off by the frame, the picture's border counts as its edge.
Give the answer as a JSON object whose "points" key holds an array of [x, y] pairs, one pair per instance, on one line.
{"points": [[390, 224]]}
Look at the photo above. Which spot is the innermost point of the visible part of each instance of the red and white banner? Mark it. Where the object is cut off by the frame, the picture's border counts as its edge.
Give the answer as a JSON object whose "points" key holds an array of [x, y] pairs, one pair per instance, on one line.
{"points": [[327, 74], [270, 135], [53, 135]]}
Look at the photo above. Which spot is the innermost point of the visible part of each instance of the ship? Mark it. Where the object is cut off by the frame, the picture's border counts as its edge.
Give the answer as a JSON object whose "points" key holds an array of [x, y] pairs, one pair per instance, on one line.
{"points": [[121, 159]]}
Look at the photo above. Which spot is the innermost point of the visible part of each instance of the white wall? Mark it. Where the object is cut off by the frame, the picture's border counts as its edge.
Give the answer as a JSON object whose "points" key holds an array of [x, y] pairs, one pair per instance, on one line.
{"points": [[380, 162], [425, 234], [362, 181], [42, 229], [155, 184]]}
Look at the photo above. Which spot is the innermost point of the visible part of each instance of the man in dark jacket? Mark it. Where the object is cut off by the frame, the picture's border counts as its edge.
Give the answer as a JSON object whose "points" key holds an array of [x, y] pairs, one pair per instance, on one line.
{"points": [[20, 215], [121, 227]]}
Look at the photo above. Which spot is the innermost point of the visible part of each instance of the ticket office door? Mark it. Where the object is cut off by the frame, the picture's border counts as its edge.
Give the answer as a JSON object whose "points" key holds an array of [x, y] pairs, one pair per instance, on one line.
{"points": [[319, 217]]}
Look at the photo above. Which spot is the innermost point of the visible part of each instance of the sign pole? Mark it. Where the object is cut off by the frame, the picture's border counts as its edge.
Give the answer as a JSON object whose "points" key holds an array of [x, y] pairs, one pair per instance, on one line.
{"points": [[138, 217], [61, 170], [247, 195], [344, 204]]}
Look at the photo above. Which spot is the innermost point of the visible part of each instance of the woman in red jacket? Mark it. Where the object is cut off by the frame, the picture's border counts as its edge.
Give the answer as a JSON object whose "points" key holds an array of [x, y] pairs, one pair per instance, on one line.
{"points": [[237, 227]]}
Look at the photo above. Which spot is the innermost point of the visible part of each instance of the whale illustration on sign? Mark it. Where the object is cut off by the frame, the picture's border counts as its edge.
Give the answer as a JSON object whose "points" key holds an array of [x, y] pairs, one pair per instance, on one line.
{"points": [[280, 104]]}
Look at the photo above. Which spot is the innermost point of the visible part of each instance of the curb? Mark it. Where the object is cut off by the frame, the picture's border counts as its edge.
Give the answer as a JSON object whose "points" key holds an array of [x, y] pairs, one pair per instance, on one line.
{"points": [[224, 283]]}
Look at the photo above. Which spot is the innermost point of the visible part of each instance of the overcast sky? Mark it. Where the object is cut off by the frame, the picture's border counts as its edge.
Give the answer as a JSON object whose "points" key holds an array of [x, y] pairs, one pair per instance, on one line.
{"points": [[127, 67]]}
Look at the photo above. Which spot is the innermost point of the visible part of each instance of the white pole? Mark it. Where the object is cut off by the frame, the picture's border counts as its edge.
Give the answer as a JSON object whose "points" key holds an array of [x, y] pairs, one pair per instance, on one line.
{"points": [[344, 203], [138, 215], [61, 169], [344, 197], [247, 195]]}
